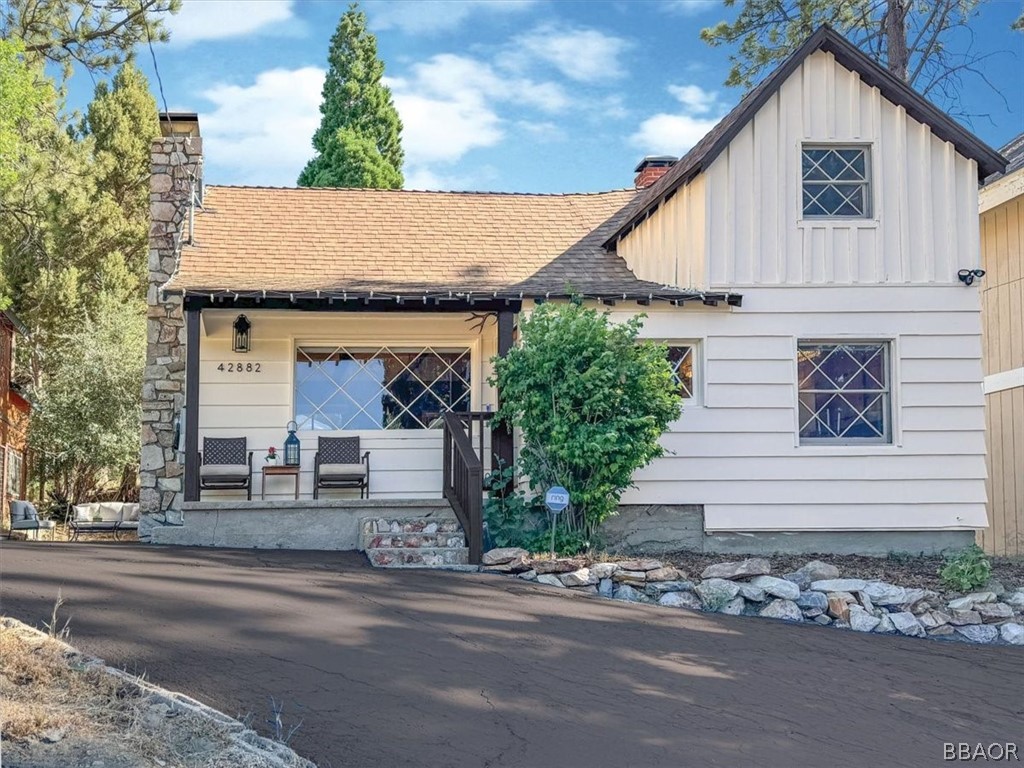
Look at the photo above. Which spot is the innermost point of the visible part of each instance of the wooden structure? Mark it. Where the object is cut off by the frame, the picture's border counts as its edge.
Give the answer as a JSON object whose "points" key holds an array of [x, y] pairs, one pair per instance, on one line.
{"points": [[14, 415], [1002, 297]]}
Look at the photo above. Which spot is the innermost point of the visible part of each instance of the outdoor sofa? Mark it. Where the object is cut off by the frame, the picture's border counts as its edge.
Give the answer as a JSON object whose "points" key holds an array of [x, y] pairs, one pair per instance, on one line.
{"points": [[25, 517], [104, 517]]}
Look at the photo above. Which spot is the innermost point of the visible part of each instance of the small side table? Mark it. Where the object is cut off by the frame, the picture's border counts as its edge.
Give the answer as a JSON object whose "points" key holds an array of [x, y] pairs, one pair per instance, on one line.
{"points": [[276, 470]]}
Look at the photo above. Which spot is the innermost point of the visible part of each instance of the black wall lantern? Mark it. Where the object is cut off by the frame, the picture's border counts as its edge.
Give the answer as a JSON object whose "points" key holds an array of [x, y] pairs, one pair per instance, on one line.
{"points": [[242, 327]]}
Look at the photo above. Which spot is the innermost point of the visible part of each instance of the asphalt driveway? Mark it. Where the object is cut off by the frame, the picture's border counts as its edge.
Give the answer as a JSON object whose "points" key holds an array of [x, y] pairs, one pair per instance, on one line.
{"points": [[391, 668]]}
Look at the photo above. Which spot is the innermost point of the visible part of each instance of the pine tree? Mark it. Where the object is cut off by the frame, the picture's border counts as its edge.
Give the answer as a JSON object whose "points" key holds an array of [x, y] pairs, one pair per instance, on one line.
{"points": [[358, 142]]}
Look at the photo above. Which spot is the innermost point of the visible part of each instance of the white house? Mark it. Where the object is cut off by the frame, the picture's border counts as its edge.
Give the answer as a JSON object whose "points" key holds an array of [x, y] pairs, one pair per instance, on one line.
{"points": [[801, 262]]}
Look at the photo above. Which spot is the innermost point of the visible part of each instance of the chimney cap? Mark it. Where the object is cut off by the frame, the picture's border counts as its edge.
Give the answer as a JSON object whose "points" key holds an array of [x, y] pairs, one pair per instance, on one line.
{"points": [[179, 124], [656, 161]]}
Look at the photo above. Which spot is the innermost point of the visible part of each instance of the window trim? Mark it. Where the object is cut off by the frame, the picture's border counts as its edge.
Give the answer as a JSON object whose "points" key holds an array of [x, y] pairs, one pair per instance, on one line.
{"points": [[697, 395], [893, 436], [868, 215]]}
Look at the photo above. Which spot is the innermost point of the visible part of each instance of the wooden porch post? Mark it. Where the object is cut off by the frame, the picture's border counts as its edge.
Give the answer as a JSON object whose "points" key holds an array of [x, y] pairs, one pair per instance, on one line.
{"points": [[502, 446], [192, 320]]}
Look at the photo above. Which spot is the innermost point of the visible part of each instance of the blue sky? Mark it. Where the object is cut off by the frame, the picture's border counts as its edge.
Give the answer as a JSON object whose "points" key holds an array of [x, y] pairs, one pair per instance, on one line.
{"points": [[507, 95]]}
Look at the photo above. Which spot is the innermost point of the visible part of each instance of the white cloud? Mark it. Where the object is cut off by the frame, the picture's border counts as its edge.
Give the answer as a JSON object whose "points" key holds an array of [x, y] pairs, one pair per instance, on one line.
{"points": [[694, 98], [449, 106], [674, 133], [425, 17], [690, 7], [584, 55], [261, 133], [220, 19]]}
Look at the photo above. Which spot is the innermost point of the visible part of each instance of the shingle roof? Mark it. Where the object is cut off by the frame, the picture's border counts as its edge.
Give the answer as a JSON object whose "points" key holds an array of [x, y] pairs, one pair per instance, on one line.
{"points": [[249, 239], [1014, 153], [704, 152]]}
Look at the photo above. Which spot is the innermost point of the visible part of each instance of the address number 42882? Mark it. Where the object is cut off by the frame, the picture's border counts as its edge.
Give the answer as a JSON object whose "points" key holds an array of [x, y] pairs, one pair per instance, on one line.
{"points": [[239, 367]]}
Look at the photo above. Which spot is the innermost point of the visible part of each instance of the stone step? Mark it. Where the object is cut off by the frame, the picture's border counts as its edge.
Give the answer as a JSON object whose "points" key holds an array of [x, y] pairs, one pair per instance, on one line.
{"points": [[374, 525], [413, 540], [424, 557]]}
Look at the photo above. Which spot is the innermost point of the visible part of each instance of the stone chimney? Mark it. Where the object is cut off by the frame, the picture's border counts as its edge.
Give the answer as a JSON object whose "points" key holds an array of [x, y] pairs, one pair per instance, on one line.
{"points": [[176, 164], [652, 168]]}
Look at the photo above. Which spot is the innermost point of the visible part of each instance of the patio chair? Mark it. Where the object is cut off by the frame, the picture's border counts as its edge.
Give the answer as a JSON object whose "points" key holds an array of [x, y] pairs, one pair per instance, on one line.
{"points": [[337, 464], [24, 517], [223, 465]]}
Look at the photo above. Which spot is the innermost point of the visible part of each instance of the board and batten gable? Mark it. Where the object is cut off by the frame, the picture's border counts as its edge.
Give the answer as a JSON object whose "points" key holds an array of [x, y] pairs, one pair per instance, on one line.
{"points": [[746, 208], [890, 276]]}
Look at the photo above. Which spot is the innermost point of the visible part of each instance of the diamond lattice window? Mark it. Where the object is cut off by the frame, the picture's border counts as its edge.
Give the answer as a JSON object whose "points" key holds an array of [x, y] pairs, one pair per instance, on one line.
{"points": [[680, 357], [835, 182], [845, 392], [379, 387]]}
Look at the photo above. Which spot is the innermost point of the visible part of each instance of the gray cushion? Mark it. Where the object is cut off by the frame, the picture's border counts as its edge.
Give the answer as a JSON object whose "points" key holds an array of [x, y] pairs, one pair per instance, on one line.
{"points": [[99, 525], [32, 525], [130, 512], [129, 524], [23, 510], [342, 471], [224, 472]]}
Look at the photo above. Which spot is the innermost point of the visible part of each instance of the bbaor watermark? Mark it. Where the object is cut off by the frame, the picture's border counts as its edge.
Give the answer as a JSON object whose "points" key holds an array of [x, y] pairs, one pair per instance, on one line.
{"points": [[970, 752]]}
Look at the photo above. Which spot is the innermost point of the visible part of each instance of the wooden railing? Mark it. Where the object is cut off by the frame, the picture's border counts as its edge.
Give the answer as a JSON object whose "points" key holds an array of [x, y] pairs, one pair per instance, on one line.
{"points": [[464, 480]]}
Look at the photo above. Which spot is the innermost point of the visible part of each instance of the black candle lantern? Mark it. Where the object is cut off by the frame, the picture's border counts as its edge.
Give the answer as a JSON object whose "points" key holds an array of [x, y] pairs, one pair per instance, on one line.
{"points": [[241, 327], [292, 446]]}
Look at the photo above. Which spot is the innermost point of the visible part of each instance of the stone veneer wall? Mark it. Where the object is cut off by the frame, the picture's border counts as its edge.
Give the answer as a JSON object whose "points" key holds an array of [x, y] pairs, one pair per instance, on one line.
{"points": [[176, 164]]}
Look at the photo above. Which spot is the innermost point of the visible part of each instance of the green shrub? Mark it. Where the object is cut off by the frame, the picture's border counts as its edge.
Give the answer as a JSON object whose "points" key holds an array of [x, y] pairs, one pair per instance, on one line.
{"points": [[968, 570], [592, 401]]}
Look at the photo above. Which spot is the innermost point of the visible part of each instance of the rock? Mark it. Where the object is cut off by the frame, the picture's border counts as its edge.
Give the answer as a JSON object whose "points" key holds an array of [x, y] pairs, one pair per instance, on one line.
{"points": [[603, 570], [667, 573], [798, 578], [755, 566], [883, 593], [587, 589], [645, 564], [681, 600], [996, 587], [504, 555], [629, 594], [775, 586], [819, 570], [605, 587], [633, 576], [885, 625], [822, 619], [838, 606], [944, 631], [530, 575], [1015, 599], [786, 610], [52, 735], [979, 633], [992, 613], [752, 593], [973, 599], [659, 588], [734, 607], [861, 620], [839, 585], [580, 578], [865, 600], [812, 601], [907, 624], [715, 593], [516, 565], [914, 596], [933, 619], [962, 618], [1012, 633], [550, 579], [554, 566]]}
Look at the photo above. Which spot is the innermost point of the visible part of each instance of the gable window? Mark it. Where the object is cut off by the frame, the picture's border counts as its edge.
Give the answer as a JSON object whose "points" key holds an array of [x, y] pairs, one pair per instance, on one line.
{"points": [[379, 387], [835, 182], [680, 357], [845, 392]]}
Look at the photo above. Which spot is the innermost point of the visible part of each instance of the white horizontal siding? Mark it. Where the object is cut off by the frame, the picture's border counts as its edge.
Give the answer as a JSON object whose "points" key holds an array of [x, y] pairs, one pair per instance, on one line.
{"points": [[738, 453]]}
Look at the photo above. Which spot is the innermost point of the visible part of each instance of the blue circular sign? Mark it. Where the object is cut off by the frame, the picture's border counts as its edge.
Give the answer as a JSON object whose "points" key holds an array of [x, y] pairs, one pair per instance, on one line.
{"points": [[556, 499]]}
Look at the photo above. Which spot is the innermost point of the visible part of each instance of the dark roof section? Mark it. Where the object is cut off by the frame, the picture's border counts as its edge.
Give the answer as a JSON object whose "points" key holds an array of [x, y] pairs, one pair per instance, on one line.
{"points": [[895, 90], [1014, 153], [15, 323]]}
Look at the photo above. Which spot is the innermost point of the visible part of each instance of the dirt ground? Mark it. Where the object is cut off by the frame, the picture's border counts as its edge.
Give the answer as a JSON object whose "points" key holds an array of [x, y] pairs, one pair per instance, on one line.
{"points": [[444, 670], [906, 571]]}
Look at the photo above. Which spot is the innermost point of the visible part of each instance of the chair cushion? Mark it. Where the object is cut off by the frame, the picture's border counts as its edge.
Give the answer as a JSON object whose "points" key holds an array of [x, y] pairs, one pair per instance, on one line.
{"points": [[109, 511], [32, 525], [224, 472], [126, 524], [23, 510], [129, 512], [85, 512], [342, 471]]}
